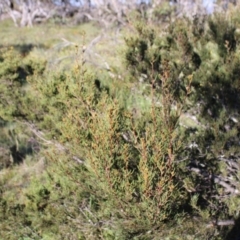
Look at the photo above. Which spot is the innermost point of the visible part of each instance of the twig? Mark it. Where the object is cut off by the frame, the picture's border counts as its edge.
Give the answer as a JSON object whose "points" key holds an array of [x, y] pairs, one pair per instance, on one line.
{"points": [[221, 223]]}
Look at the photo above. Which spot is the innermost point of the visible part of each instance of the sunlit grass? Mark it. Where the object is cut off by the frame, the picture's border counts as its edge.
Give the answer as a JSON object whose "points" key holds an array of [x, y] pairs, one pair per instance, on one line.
{"points": [[44, 35]]}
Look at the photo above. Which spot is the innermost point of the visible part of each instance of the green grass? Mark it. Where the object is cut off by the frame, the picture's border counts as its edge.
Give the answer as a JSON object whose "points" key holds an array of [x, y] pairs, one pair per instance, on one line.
{"points": [[46, 35], [55, 43], [61, 45]]}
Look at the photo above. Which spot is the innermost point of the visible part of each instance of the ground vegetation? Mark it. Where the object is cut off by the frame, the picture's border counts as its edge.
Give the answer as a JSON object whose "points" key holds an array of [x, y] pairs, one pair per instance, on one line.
{"points": [[121, 134]]}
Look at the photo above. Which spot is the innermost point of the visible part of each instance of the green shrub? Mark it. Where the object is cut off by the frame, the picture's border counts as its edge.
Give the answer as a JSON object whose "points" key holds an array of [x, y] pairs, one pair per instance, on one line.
{"points": [[144, 162]]}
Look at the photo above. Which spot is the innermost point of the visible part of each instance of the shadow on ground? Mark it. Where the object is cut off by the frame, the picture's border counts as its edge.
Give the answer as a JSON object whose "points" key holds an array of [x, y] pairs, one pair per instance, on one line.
{"points": [[234, 233], [24, 49]]}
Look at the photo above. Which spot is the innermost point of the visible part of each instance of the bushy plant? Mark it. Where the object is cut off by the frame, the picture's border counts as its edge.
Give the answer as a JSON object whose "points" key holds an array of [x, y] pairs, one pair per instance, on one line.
{"points": [[201, 56], [114, 169]]}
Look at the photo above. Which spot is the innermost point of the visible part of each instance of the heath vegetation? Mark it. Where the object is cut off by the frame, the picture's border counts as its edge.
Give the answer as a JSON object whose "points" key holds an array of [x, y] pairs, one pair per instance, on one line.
{"points": [[128, 130]]}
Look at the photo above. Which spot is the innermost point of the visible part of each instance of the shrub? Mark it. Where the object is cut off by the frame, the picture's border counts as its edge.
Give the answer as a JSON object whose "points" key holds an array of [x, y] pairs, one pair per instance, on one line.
{"points": [[118, 169]]}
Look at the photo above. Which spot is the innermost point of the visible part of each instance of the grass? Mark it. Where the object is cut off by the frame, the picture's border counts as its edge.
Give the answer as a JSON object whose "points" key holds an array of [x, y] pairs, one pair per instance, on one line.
{"points": [[56, 38], [46, 35], [61, 45]]}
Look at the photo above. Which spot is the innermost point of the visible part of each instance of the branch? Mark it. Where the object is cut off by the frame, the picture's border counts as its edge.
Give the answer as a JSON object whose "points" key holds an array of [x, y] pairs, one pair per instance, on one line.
{"points": [[221, 223]]}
